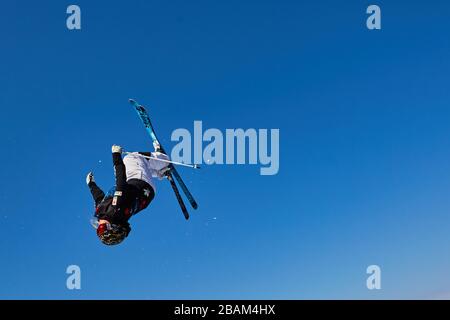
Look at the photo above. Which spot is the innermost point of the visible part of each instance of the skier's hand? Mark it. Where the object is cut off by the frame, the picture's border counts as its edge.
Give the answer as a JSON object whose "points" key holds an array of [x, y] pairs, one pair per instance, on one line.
{"points": [[116, 149], [90, 178], [157, 146], [163, 173]]}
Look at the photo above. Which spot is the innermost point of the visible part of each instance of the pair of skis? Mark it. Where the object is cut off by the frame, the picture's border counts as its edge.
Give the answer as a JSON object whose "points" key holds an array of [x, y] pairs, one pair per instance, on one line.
{"points": [[172, 172]]}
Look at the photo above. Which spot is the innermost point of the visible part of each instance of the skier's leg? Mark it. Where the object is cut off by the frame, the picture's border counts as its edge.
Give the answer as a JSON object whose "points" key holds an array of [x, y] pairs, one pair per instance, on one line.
{"points": [[145, 153], [145, 194], [140, 180], [158, 165], [153, 163], [137, 168]]}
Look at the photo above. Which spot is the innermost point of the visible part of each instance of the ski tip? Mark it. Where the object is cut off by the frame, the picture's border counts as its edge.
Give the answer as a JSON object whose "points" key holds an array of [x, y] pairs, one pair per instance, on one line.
{"points": [[132, 101], [195, 205]]}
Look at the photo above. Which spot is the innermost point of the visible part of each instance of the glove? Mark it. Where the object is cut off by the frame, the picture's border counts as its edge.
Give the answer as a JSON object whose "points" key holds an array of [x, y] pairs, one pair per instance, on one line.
{"points": [[116, 149], [163, 173], [156, 146], [90, 178]]}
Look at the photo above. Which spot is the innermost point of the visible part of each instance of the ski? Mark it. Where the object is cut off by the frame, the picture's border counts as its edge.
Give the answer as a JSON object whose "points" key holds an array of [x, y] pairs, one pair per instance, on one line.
{"points": [[143, 115], [184, 188], [178, 196]]}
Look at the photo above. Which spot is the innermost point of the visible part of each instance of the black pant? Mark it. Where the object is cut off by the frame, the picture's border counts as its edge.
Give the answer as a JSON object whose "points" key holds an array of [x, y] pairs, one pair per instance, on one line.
{"points": [[133, 195]]}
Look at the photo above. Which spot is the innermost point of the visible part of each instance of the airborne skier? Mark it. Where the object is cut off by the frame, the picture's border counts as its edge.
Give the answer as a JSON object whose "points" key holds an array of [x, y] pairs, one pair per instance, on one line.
{"points": [[133, 191]]}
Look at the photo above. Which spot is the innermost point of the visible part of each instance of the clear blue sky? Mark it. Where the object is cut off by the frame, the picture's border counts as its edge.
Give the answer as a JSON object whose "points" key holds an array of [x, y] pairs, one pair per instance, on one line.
{"points": [[365, 147]]}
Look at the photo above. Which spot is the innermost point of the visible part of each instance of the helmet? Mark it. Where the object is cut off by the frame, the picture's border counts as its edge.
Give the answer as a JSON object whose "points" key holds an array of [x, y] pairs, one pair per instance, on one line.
{"points": [[111, 234]]}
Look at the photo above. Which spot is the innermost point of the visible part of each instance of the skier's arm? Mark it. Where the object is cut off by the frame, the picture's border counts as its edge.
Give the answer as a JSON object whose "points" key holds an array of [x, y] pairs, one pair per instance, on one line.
{"points": [[119, 167], [96, 192]]}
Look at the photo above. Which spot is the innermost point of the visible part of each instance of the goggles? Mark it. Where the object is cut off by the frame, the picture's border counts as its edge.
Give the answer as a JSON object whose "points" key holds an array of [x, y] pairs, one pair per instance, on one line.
{"points": [[103, 227]]}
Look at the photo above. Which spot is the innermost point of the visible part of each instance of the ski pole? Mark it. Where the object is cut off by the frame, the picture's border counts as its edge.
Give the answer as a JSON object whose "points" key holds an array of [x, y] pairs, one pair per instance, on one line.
{"points": [[193, 166]]}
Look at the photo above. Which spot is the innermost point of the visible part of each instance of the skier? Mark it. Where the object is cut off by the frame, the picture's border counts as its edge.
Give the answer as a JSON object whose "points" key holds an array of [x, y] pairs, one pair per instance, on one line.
{"points": [[133, 192]]}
